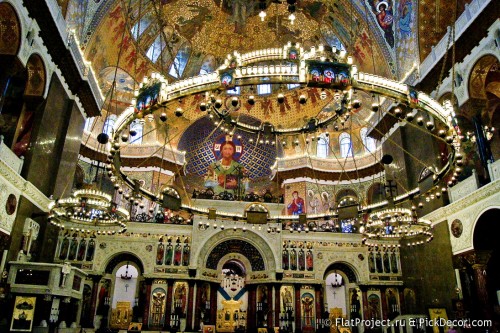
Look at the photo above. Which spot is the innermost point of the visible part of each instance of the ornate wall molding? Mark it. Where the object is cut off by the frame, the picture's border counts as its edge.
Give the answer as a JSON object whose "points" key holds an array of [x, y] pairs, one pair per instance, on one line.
{"points": [[468, 210], [12, 179]]}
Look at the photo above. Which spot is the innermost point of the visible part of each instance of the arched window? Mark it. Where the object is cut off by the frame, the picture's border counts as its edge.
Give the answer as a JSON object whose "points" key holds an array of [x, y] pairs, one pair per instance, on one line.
{"points": [[136, 127], [141, 25], [89, 124], [181, 59], [108, 124], [368, 143], [323, 145], [345, 145], [208, 65], [154, 50]]}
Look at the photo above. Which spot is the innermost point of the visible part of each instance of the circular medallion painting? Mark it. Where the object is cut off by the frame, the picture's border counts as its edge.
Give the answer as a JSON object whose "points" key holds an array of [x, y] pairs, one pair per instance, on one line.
{"points": [[456, 228], [11, 204]]}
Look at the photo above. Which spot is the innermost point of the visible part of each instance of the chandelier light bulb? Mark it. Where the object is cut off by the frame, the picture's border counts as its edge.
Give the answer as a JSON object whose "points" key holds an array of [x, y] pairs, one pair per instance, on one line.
{"points": [[291, 17], [262, 15]]}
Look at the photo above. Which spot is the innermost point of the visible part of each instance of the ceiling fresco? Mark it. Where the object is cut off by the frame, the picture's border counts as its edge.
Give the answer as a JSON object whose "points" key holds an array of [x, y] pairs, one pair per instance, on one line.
{"points": [[127, 34]]}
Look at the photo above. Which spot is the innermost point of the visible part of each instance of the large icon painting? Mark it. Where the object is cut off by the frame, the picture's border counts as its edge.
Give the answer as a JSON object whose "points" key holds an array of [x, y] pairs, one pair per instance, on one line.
{"points": [[22, 318]]}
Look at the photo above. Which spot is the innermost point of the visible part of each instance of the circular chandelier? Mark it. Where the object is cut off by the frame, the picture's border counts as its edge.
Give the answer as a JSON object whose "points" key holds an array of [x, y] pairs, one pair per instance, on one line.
{"points": [[89, 210], [397, 224], [325, 68]]}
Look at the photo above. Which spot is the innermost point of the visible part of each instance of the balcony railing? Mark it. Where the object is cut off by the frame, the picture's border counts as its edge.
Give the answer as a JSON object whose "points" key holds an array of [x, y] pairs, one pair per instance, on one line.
{"points": [[9, 158], [84, 68]]}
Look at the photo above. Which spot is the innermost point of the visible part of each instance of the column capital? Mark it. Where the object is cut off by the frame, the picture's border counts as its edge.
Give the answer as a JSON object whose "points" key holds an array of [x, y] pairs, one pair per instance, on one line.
{"points": [[478, 258]]}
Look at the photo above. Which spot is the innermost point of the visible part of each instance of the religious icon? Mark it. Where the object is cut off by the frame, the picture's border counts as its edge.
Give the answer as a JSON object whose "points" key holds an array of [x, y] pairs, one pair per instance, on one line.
{"points": [[81, 250], [226, 173], [10, 205], [297, 205], [90, 250], [160, 252], [307, 309], [328, 74], [63, 253], [22, 318]]}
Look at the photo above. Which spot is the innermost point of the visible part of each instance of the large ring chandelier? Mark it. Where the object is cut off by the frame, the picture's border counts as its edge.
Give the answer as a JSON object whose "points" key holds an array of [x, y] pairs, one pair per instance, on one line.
{"points": [[397, 224], [89, 210], [320, 67]]}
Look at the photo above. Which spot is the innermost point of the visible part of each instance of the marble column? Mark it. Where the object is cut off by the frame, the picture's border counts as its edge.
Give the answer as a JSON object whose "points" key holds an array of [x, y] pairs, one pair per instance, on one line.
{"points": [[364, 297], [190, 307], [298, 309], [168, 306], [269, 314], [479, 261], [147, 302], [213, 303], [383, 301], [402, 304], [319, 301], [252, 304], [198, 307], [93, 299], [277, 304]]}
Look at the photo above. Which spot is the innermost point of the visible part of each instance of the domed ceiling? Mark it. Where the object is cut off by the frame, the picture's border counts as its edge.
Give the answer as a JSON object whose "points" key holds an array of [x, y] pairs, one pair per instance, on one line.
{"points": [[183, 38]]}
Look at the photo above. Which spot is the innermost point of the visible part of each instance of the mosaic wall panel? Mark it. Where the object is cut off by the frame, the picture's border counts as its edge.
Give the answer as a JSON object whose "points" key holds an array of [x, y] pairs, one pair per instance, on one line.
{"points": [[236, 246], [406, 36], [198, 142]]}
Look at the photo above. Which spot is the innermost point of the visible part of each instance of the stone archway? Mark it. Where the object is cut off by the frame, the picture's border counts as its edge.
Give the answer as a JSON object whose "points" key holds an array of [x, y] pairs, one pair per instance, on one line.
{"points": [[342, 296], [238, 241], [479, 277]]}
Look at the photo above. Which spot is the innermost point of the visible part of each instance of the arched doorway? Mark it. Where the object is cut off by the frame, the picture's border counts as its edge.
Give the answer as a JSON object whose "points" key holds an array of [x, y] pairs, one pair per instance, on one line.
{"points": [[242, 252], [483, 104], [342, 295], [232, 297], [124, 296], [118, 293], [484, 262]]}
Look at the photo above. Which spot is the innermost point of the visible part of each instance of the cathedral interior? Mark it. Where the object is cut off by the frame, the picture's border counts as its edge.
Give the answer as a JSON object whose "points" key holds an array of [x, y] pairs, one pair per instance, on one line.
{"points": [[284, 166]]}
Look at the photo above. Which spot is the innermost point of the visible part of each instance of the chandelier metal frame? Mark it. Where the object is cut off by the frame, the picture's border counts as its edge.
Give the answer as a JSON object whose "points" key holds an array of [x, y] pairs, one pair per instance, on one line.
{"points": [[295, 66]]}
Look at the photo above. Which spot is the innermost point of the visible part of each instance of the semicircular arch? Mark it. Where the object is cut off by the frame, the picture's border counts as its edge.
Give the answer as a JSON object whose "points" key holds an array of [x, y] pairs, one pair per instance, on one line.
{"points": [[346, 268], [231, 241]]}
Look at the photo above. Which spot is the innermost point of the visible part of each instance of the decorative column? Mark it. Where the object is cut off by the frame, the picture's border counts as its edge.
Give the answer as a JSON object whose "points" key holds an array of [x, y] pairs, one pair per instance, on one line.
{"points": [[298, 309], [93, 300], [147, 302], [190, 307], [277, 304], [479, 262]]}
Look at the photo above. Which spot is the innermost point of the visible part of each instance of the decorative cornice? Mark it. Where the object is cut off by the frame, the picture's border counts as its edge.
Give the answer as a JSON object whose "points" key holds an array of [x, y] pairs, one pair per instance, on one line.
{"points": [[484, 192], [28, 190]]}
